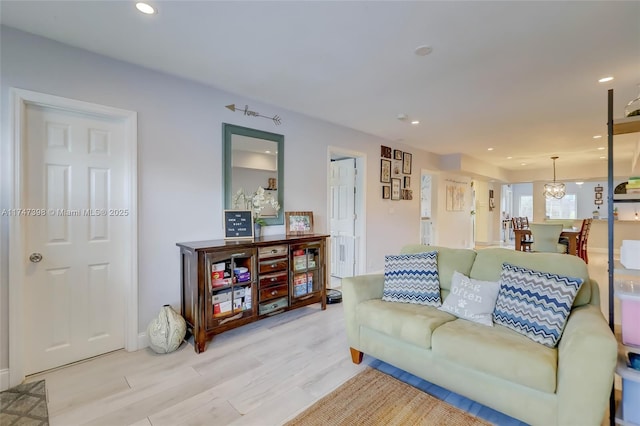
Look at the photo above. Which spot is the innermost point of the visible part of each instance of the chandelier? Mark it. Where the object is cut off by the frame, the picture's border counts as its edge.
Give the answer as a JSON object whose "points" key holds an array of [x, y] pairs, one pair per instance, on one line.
{"points": [[555, 189]]}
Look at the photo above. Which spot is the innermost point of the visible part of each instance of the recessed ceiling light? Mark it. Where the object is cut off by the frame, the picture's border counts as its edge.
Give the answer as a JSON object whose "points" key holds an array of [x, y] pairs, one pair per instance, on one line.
{"points": [[603, 157], [600, 148], [597, 136], [489, 149], [423, 50], [523, 164], [267, 152], [509, 158], [605, 79], [145, 8], [579, 183], [415, 122]]}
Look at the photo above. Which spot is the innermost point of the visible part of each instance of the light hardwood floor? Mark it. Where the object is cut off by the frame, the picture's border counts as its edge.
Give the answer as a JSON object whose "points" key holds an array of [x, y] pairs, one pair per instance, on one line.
{"points": [[261, 374]]}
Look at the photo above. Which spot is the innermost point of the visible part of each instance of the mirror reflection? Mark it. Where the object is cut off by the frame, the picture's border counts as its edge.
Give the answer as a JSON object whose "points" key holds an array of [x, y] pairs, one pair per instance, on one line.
{"points": [[253, 172]]}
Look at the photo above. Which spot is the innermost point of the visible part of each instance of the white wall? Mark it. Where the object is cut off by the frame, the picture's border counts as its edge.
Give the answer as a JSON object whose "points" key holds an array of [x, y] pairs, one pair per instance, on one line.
{"points": [[180, 166]]}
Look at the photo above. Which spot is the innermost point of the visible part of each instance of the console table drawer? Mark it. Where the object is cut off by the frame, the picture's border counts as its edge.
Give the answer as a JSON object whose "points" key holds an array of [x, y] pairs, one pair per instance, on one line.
{"points": [[269, 293], [274, 279], [272, 251], [273, 265], [272, 306]]}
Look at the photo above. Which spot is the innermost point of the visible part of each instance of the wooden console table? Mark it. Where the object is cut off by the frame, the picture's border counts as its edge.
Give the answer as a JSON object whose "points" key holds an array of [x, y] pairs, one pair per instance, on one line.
{"points": [[226, 284]]}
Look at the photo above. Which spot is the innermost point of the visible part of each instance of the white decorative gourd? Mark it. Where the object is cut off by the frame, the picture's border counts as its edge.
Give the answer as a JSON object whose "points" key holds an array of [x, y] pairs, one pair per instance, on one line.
{"points": [[166, 331]]}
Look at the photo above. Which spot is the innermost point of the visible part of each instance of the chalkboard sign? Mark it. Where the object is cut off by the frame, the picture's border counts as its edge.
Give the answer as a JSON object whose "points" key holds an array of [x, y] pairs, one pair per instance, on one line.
{"points": [[238, 224]]}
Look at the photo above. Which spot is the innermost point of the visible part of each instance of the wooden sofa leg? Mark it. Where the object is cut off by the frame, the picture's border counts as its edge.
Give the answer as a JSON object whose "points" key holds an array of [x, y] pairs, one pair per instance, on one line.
{"points": [[356, 356]]}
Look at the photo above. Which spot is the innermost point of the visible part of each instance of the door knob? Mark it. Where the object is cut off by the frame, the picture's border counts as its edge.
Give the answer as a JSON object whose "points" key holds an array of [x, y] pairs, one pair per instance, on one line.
{"points": [[35, 257]]}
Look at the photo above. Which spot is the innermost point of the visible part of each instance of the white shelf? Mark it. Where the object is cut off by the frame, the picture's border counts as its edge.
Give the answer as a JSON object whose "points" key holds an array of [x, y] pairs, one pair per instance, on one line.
{"points": [[619, 420], [618, 268]]}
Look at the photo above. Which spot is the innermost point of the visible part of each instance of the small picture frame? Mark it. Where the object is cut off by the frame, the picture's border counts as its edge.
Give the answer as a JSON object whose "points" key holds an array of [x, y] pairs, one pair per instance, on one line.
{"points": [[396, 168], [407, 194], [598, 195], [385, 171], [298, 223], [397, 154], [385, 151], [598, 189], [396, 191], [406, 163], [386, 192], [598, 202], [407, 182]]}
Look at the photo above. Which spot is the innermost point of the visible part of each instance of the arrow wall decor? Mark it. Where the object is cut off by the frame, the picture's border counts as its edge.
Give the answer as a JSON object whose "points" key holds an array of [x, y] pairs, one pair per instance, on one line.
{"points": [[246, 111]]}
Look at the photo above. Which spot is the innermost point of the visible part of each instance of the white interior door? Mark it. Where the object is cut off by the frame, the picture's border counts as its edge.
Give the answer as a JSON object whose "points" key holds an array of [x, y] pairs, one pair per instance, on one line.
{"points": [[75, 176], [342, 221], [426, 216]]}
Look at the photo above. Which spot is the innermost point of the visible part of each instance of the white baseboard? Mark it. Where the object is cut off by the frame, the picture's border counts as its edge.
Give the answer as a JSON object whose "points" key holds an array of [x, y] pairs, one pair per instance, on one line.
{"points": [[4, 379], [143, 342]]}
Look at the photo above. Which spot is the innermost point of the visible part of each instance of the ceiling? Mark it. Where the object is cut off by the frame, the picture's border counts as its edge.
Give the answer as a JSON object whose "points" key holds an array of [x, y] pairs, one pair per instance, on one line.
{"points": [[518, 77]]}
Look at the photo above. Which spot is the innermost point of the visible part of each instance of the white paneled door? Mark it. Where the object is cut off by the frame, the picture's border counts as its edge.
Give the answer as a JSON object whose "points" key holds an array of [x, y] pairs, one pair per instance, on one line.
{"points": [[342, 221], [76, 238]]}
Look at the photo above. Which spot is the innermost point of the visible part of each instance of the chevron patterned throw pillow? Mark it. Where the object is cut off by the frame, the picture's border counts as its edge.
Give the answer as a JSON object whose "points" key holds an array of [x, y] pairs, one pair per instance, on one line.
{"points": [[412, 278], [535, 304]]}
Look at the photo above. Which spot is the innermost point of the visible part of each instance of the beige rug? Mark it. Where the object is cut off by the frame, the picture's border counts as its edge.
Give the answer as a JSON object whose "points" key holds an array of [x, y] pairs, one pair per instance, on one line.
{"points": [[375, 398]]}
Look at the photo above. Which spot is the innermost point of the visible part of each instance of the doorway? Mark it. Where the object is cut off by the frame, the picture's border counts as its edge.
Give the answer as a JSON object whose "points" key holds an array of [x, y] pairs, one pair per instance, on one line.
{"points": [[346, 214], [73, 274]]}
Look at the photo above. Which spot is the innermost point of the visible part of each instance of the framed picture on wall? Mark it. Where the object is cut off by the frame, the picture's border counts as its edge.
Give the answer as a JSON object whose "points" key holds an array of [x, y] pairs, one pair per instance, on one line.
{"points": [[598, 195], [395, 189], [406, 163], [396, 168], [386, 192], [385, 151], [385, 171], [397, 154], [407, 182]]}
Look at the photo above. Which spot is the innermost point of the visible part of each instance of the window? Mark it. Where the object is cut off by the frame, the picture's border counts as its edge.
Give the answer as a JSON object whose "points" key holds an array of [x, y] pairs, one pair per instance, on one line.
{"points": [[525, 206], [564, 208]]}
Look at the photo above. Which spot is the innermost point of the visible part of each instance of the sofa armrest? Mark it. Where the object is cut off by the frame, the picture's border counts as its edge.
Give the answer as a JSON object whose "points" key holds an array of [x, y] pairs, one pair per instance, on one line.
{"points": [[587, 355], [355, 290]]}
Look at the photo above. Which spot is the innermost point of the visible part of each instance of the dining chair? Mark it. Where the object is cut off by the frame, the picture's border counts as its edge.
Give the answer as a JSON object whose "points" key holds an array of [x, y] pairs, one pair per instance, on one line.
{"points": [[545, 238], [582, 239], [525, 239]]}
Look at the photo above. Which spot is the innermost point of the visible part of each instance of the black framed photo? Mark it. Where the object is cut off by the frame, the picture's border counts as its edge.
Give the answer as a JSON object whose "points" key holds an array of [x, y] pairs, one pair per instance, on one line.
{"points": [[396, 168], [598, 188], [598, 195], [396, 191], [385, 171], [406, 163], [385, 151], [386, 192], [598, 202], [397, 154], [407, 182]]}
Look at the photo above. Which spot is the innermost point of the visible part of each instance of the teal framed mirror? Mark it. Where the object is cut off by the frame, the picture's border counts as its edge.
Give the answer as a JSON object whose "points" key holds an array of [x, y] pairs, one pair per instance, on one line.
{"points": [[252, 159]]}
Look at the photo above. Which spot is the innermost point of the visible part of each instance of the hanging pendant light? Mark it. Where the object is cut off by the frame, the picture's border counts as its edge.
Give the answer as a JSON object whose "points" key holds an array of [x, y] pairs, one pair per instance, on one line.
{"points": [[555, 189]]}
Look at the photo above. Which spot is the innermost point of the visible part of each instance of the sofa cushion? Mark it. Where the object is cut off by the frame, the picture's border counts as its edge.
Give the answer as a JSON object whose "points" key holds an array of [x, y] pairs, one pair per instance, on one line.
{"points": [[412, 278], [488, 267], [449, 260], [535, 303], [498, 352], [408, 322], [471, 299]]}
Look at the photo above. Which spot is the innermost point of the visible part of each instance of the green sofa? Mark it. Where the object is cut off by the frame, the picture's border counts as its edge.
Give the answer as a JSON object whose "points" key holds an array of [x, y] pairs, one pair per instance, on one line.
{"points": [[495, 366]]}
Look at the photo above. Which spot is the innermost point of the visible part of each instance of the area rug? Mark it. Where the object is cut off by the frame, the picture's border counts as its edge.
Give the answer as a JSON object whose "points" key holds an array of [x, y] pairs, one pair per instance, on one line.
{"points": [[24, 404], [375, 398]]}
